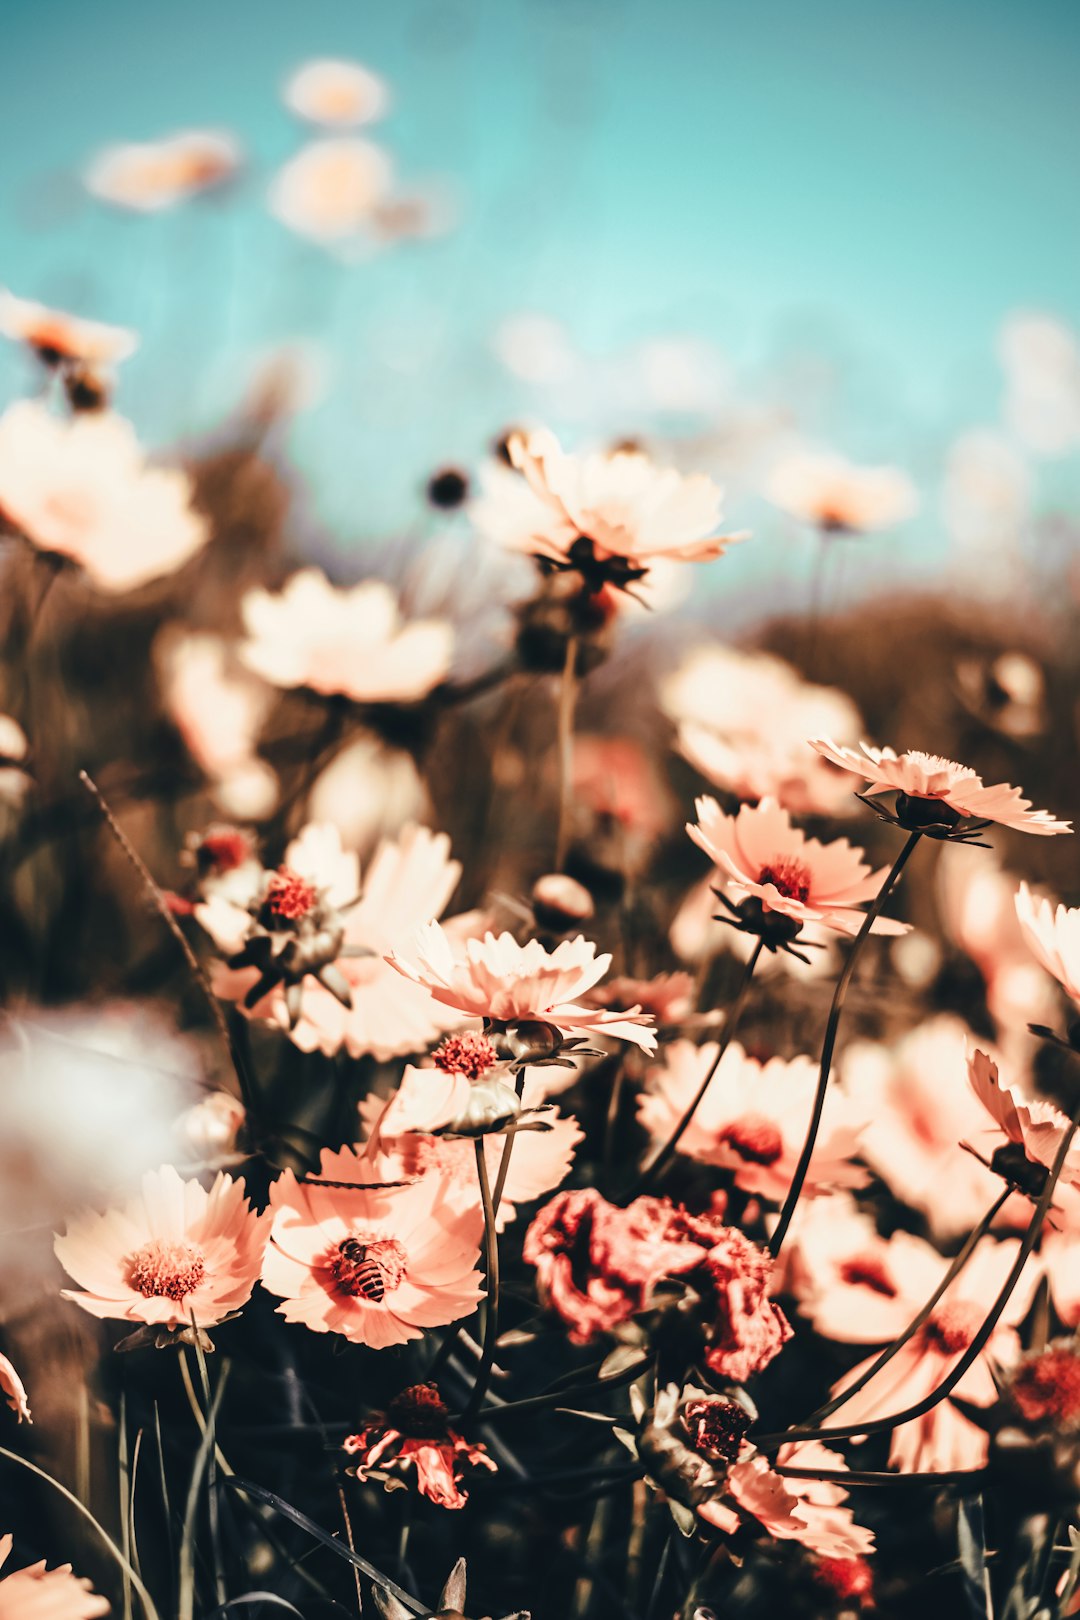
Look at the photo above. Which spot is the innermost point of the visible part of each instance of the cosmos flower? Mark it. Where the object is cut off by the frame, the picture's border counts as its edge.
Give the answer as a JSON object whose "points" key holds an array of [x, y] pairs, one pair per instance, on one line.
{"points": [[13, 1389], [753, 1118], [497, 979], [414, 1433], [954, 789], [370, 791], [55, 336], [172, 1253], [852, 1284], [332, 188], [219, 711], [377, 1265], [81, 488], [761, 854], [810, 1511], [151, 176], [1053, 937], [1030, 1123], [336, 94], [840, 498], [350, 641], [37, 1593], [978, 911]]}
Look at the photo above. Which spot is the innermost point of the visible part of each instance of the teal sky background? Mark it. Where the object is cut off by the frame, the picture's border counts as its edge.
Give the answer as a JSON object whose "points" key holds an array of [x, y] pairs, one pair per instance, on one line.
{"points": [[867, 186]]}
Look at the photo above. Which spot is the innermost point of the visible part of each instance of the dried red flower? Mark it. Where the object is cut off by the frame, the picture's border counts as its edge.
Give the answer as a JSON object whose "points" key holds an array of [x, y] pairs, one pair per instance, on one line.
{"points": [[415, 1432]]}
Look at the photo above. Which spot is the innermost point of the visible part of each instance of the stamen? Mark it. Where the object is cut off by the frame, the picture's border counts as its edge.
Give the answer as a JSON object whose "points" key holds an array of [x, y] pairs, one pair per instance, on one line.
{"points": [[288, 896], [755, 1138], [163, 1270], [791, 877]]}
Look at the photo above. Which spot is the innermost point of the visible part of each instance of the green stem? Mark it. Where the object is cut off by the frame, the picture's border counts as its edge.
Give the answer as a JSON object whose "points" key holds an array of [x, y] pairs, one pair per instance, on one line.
{"points": [[491, 1267]]}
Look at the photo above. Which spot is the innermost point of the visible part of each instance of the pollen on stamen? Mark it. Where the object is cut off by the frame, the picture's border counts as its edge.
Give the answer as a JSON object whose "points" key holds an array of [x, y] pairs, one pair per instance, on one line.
{"points": [[755, 1138], [163, 1270], [288, 895], [791, 877], [469, 1054]]}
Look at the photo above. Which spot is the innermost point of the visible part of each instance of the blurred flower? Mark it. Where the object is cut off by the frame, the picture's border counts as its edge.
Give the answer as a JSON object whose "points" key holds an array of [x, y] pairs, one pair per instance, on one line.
{"points": [[840, 498], [535, 347], [1053, 937], [351, 641], [82, 489], [336, 93], [331, 189], [506, 983], [415, 1432], [753, 1118], [369, 791], [805, 1510], [978, 912], [1041, 357], [1030, 1123], [209, 1128], [14, 1392], [14, 778], [219, 711], [376, 1265], [615, 779], [153, 175], [852, 1284], [560, 903], [986, 500], [1007, 692], [1044, 1387], [37, 1593], [173, 1253], [954, 790], [668, 998], [55, 336]]}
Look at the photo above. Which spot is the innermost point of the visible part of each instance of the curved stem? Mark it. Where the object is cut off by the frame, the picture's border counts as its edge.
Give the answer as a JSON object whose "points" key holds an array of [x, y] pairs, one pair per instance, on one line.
{"points": [[536, 1403], [660, 1162], [567, 704], [829, 1045], [491, 1267], [968, 1477]]}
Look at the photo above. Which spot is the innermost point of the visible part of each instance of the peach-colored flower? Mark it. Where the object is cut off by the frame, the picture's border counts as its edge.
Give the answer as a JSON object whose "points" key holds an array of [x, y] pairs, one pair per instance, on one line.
{"points": [[929, 776], [840, 498], [13, 1389], [944, 1438], [1029, 1122], [378, 1265], [209, 1128], [498, 979], [14, 779], [615, 779], [349, 641], [621, 505], [335, 93], [219, 711], [332, 188], [761, 854], [851, 1283], [173, 1252], [809, 1511], [58, 336], [753, 1118], [37, 1593], [150, 176], [977, 911], [414, 1432], [669, 997], [81, 488], [370, 791], [1053, 937], [409, 880]]}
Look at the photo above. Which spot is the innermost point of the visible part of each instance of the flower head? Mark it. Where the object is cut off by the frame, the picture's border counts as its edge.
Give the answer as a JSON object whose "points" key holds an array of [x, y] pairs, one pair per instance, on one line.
{"points": [[57, 337], [13, 1390], [414, 1433], [810, 1511], [151, 176], [336, 94], [840, 498], [332, 188], [1053, 937], [1044, 1387], [219, 711], [37, 1593], [1034, 1126]]}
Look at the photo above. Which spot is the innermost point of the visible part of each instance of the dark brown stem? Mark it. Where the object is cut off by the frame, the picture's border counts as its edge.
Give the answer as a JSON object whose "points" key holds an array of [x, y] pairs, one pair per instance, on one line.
{"points": [[491, 1268]]}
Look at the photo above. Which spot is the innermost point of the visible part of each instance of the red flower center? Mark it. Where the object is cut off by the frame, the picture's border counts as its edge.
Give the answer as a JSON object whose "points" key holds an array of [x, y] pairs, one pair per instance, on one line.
{"points": [[868, 1271], [223, 849], [755, 1138], [716, 1427], [791, 877], [845, 1577], [368, 1268], [953, 1327], [469, 1054], [1046, 1389], [164, 1270], [288, 895], [419, 1412]]}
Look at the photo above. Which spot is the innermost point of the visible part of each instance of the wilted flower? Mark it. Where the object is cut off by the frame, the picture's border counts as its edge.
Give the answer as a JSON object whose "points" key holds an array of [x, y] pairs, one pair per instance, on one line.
{"points": [[56, 337], [37, 1593], [13, 1389], [1053, 937], [153, 175], [810, 1511], [840, 498], [332, 188], [337, 94], [414, 1433]]}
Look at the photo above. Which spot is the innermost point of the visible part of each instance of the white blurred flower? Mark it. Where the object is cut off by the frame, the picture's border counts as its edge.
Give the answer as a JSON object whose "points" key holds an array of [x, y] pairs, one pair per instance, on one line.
{"points": [[209, 1128], [535, 347], [150, 176], [336, 93], [331, 189], [1041, 357], [219, 711], [369, 792], [838, 497], [987, 494], [56, 335]]}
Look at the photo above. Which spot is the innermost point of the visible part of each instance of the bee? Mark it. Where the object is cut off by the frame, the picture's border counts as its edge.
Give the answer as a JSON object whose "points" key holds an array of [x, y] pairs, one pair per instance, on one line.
{"points": [[363, 1272]]}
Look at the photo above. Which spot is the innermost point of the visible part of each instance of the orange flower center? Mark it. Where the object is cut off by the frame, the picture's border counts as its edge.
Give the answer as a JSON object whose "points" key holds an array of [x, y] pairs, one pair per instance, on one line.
{"points": [[368, 1268], [952, 1328], [164, 1270], [288, 895], [755, 1138], [791, 877], [868, 1271]]}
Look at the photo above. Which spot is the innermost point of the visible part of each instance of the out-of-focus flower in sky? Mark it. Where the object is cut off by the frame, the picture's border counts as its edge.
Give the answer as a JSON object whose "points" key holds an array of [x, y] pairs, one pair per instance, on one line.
{"points": [[376, 1265], [13, 1390], [1053, 937], [1041, 358], [838, 497], [337, 94], [331, 189], [172, 1253], [82, 489], [986, 499], [535, 347], [369, 791], [350, 641], [55, 336], [37, 1593], [753, 1118], [150, 176], [219, 711]]}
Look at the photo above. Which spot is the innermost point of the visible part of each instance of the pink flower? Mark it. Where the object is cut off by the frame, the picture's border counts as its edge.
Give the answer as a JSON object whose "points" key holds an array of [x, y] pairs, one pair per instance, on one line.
{"points": [[955, 787], [81, 488], [13, 1390], [414, 1432], [219, 711], [1030, 1123], [500, 980], [805, 1510], [1053, 937], [57, 336], [840, 498], [978, 910], [156, 175], [668, 997], [338, 94], [173, 1253], [852, 1284], [377, 1265], [343, 641], [332, 188], [763, 855], [753, 1118], [37, 1593]]}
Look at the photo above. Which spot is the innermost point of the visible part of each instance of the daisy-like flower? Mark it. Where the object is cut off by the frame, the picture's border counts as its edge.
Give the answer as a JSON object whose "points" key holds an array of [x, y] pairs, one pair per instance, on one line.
{"points": [[1030, 1124], [352, 641], [977, 908], [763, 857], [414, 1433], [56, 337], [332, 188], [1053, 937], [172, 1253], [37, 1593], [375, 1264], [82, 489], [219, 711], [852, 1284], [150, 176], [13, 1390], [408, 880], [610, 517], [753, 1118], [936, 795], [838, 497], [508, 984], [810, 1511], [336, 94]]}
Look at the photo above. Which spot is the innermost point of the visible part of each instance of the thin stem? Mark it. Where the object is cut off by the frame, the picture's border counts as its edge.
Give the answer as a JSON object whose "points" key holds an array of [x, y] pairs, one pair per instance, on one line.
{"points": [[657, 1165], [831, 1029], [536, 1403], [567, 703], [491, 1267], [967, 1477]]}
